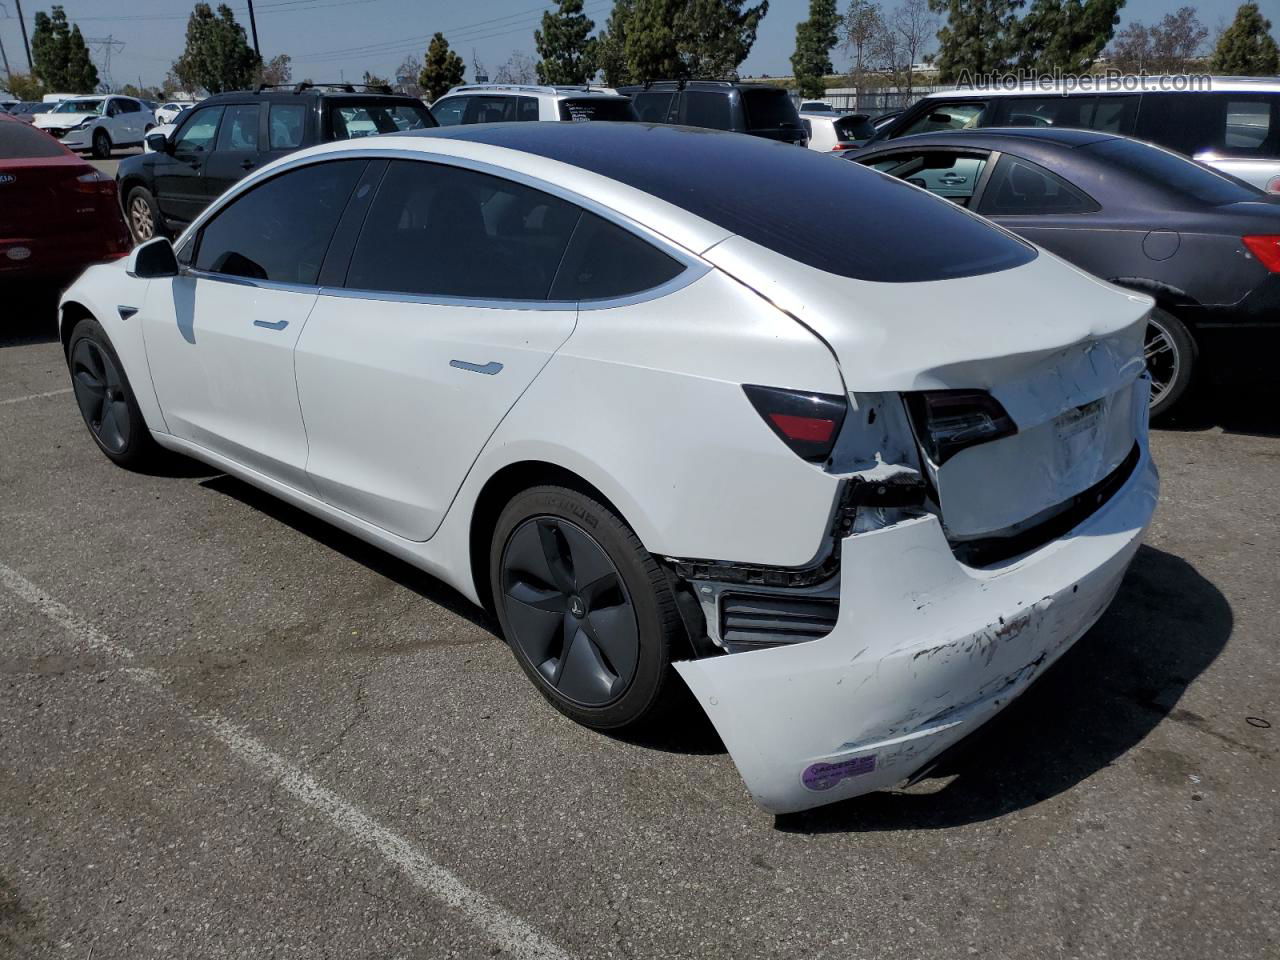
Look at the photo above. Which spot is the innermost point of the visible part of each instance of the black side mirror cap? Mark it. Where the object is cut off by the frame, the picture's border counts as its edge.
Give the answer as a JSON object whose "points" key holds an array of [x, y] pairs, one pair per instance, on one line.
{"points": [[159, 143], [153, 260]]}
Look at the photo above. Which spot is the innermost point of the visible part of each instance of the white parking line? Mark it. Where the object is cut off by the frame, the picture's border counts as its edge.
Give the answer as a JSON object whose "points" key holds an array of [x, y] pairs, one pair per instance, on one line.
{"points": [[35, 396], [507, 931]]}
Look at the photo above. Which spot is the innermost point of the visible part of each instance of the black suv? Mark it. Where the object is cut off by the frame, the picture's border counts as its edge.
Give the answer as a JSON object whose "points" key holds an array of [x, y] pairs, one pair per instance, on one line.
{"points": [[755, 108], [224, 137]]}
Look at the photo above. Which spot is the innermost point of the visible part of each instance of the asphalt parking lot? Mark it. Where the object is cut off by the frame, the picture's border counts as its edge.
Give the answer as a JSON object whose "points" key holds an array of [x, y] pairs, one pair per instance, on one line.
{"points": [[227, 730]]}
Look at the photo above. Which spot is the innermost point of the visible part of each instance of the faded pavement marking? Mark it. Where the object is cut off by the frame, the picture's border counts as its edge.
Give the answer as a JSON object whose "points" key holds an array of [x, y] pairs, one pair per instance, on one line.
{"points": [[36, 396], [510, 933]]}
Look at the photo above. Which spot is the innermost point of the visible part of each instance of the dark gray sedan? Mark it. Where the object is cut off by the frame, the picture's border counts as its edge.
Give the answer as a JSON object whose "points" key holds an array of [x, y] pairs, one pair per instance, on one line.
{"points": [[1205, 245]]}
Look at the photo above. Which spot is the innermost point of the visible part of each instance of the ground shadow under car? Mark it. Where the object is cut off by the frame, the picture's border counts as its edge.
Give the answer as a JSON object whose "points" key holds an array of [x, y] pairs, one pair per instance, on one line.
{"points": [[1165, 627]]}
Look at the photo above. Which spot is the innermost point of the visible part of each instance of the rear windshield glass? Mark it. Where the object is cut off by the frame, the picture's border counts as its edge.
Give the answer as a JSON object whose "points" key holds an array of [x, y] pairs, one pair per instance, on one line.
{"points": [[854, 128], [19, 141], [1174, 173], [597, 108], [830, 214], [769, 109]]}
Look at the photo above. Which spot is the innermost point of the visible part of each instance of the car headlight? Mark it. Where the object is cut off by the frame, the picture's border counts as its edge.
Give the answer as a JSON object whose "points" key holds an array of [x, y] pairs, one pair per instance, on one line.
{"points": [[81, 125]]}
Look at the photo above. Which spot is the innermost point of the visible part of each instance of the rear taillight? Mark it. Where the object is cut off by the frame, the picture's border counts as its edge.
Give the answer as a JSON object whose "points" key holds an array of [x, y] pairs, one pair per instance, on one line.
{"points": [[949, 421], [1273, 185], [1266, 248], [96, 183], [808, 423]]}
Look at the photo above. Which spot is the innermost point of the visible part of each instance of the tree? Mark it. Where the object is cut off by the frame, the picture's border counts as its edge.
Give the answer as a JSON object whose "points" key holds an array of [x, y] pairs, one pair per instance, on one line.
{"points": [[978, 38], [26, 86], [1176, 41], [565, 44], [142, 93], [1131, 51], [277, 71], [407, 76], [677, 39], [442, 70], [811, 63], [863, 23], [59, 54], [519, 68], [374, 80], [611, 45], [903, 38], [1246, 48], [217, 56], [1065, 36]]}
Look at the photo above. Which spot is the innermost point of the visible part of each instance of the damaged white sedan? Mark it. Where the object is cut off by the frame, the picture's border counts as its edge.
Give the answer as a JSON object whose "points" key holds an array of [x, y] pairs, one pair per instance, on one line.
{"points": [[858, 485]]}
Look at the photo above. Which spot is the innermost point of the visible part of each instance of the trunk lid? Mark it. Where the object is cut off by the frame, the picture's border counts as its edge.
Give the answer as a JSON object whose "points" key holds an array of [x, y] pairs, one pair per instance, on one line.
{"points": [[43, 197]]}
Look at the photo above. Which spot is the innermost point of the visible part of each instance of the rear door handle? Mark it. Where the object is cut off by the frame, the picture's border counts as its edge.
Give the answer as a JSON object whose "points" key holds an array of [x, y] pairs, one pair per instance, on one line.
{"points": [[278, 325], [248, 164]]}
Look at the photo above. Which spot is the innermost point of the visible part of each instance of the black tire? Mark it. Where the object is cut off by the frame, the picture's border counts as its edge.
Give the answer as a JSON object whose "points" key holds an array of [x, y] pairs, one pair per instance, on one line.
{"points": [[1171, 356], [106, 399], [142, 215], [101, 145], [624, 692]]}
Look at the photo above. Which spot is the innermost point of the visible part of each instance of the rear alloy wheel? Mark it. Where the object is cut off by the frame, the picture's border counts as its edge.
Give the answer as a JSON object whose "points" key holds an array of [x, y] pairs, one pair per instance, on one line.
{"points": [[585, 608], [105, 398], [141, 208], [1171, 358], [101, 145]]}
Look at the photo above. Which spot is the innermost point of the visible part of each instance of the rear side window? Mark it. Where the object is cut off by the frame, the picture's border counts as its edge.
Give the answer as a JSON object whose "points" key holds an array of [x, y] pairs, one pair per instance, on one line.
{"points": [[527, 109], [490, 110], [769, 109], [439, 231], [653, 106], [947, 116], [287, 122], [19, 141], [702, 108], [279, 231], [605, 261], [1173, 173], [1236, 125], [1019, 187], [348, 121], [239, 128], [597, 108]]}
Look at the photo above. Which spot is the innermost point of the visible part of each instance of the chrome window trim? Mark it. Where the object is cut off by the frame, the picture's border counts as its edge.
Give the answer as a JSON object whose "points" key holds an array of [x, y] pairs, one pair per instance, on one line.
{"points": [[186, 271], [694, 267]]}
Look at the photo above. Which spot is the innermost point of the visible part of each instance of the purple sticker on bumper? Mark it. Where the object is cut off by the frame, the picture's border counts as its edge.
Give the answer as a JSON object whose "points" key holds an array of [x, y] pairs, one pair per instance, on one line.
{"points": [[824, 776]]}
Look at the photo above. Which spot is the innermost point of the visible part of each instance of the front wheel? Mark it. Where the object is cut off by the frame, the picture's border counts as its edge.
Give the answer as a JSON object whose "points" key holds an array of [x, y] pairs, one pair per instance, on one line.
{"points": [[1171, 360], [586, 609], [106, 400], [101, 145], [143, 215]]}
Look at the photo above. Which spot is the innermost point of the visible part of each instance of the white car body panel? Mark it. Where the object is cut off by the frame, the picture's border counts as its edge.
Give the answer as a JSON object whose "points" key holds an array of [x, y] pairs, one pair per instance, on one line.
{"points": [[124, 129], [925, 648]]}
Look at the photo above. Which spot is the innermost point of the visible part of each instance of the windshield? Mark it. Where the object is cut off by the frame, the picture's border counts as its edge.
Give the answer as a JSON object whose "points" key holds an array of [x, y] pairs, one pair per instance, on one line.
{"points": [[769, 109], [597, 108], [79, 106], [1174, 173]]}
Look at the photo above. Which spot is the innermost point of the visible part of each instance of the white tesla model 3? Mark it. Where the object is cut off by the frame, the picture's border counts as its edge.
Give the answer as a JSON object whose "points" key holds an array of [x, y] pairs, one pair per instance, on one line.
{"points": [[641, 390]]}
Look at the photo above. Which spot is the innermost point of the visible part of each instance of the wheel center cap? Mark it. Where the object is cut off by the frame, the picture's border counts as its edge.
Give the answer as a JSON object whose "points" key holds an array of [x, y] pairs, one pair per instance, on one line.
{"points": [[576, 606]]}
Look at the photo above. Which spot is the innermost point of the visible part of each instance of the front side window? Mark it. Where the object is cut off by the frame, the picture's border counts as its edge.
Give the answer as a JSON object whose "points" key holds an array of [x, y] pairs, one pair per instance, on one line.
{"points": [[440, 231], [604, 261], [350, 121], [449, 111], [951, 175], [280, 230], [1021, 188], [198, 132], [287, 122], [964, 115], [239, 129]]}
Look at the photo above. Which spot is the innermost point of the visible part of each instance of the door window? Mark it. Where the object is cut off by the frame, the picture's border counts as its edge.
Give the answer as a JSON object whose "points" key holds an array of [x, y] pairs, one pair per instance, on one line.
{"points": [[350, 121], [702, 108], [239, 129], [1021, 188], [1248, 123], [1114, 115], [490, 110], [197, 134], [1237, 125], [947, 116], [605, 261], [127, 106], [653, 106], [280, 230], [528, 108], [436, 230], [951, 175], [449, 111], [287, 122]]}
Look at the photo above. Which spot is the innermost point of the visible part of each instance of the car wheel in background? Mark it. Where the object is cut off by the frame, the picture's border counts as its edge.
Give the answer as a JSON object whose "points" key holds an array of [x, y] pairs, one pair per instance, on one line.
{"points": [[587, 611], [105, 398], [1171, 359], [101, 145], [142, 214]]}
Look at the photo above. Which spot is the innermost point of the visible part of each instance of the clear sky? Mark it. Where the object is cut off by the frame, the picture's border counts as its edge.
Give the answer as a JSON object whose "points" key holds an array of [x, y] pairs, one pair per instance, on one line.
{"points": [[332, 39]]}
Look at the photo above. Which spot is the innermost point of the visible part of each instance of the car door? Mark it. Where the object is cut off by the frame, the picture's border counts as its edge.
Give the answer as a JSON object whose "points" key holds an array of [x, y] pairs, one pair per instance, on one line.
{"points": [[416, 351], [178, 173], [132, 119], [220, 336], [235, 152]]}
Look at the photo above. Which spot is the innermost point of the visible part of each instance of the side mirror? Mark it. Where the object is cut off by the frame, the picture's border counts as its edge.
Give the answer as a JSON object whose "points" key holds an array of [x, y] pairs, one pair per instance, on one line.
{"points": [[153, 260], [159, 143]]}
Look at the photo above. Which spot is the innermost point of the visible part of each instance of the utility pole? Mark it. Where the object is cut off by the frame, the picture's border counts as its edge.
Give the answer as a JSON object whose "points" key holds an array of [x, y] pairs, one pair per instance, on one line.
{"points": [[253, 26], [25, 43], [8, 76]]}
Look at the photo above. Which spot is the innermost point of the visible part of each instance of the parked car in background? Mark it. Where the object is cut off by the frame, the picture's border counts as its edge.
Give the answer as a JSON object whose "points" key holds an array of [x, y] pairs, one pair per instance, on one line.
{"points": [[755, 108], [901, 469], [836, 132], [57, 213], [228, 135], [508, 103], [99, 124], [7, 103], [1205, 245], [27, 110], [1233, 125], [168, 112], [816, 106]]}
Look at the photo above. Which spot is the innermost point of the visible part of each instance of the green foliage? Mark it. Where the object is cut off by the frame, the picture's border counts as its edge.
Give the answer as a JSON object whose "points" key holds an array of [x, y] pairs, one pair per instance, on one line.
{"points": [[815, 37], [1065, 35], [690, 39], [611, 45], [567, 50], [978, 37], [217, 57], [441, 69], [142, 93], [26, 86], [373, 80], [1246, 48], [61, 58]]}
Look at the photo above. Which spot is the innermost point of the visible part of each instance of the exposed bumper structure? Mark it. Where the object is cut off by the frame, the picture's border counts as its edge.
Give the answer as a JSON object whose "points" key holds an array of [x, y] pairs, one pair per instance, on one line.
{"points": [[925, 650]]}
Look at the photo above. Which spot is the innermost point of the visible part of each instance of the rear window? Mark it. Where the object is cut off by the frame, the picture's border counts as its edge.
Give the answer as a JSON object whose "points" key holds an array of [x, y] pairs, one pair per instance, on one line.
{"points": [[18, 141], [597, 108], [769, 109], [1173, 173], [854, 128]]}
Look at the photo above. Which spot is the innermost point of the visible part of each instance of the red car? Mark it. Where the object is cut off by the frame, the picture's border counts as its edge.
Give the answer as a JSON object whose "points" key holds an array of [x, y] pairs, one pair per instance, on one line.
{"points": [[58, 214]]}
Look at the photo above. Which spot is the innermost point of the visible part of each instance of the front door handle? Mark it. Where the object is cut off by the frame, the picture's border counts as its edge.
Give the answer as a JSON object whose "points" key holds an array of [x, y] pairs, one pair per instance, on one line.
{"points": [[490, 368], [278, 325], [248, 164]]}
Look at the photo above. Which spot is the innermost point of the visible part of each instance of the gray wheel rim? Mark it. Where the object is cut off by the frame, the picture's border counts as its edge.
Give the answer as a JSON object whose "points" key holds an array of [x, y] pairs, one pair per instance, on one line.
{"points": [[1164, 362], [568, 611], [140, 219], [99, 390]]}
